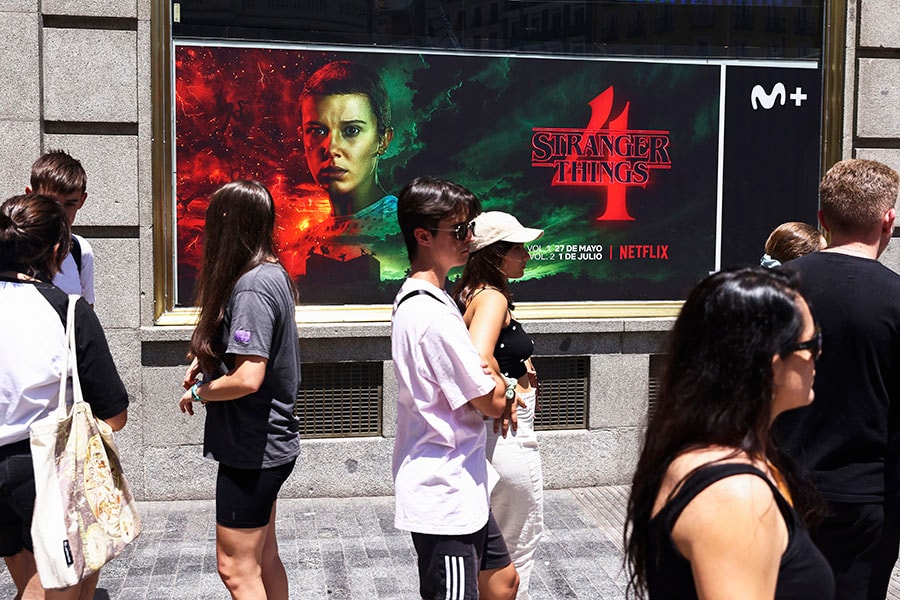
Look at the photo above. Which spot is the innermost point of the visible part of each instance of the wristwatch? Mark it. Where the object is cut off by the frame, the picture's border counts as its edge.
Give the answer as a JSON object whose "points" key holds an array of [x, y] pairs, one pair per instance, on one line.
{"points": [[510, 389]]}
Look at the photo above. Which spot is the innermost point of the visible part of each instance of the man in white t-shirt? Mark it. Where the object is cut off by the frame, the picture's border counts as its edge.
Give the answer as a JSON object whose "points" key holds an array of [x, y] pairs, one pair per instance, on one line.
{"points": [[444, 391], [59, 176]]}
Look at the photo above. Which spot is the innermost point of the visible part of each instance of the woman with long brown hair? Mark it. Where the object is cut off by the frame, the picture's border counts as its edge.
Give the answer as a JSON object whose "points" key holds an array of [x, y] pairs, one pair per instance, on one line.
{"points": [[246, 372], [715, 508]]}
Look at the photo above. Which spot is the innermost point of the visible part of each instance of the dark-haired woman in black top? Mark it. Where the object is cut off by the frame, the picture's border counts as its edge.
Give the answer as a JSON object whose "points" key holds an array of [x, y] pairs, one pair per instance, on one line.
{"points": [[715, 508]]}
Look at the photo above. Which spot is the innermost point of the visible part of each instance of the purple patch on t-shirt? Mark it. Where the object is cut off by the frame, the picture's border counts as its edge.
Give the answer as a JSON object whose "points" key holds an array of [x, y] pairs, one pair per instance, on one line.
{"points": [[242, 336]]}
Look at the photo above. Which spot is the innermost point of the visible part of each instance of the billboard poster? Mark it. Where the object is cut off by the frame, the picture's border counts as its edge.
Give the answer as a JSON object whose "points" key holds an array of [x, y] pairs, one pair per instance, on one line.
{"points": [[618, 161]]}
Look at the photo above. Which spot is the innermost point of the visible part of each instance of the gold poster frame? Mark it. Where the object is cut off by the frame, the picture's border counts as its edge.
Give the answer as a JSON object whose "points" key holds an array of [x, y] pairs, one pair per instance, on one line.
{"points": [[167, 314]]}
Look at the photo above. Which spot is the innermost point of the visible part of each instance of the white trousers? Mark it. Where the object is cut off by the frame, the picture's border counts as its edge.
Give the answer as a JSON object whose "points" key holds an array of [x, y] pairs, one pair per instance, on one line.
{"points": [[517, 501]]}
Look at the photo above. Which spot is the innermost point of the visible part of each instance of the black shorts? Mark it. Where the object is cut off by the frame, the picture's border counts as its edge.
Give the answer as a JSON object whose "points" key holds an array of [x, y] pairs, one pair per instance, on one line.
{"points": [[16, 498], [449, 564], [244, 497]]}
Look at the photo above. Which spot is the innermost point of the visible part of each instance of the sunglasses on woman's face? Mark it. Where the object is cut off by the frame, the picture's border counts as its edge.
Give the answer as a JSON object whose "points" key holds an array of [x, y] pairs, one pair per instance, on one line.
{"points": [[814, 345], [460, 231]]}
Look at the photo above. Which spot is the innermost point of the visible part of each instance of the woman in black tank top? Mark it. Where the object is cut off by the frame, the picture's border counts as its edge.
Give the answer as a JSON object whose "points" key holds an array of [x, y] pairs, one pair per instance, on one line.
{"points": [[716, 510], [497, 254]]}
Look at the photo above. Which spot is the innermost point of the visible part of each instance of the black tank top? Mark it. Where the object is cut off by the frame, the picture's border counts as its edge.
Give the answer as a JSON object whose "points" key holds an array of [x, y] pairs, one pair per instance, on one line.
{"points": [[802, 573], [513, 348]]}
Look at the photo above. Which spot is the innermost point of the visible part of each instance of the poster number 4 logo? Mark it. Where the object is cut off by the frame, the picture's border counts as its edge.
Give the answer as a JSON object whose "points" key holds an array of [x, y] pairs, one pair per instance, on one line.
{"points": [[604, 155]]}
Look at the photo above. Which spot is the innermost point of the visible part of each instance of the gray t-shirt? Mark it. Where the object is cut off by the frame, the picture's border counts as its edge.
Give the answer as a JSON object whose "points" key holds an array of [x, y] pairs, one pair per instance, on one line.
{"points": [[259, 430]]}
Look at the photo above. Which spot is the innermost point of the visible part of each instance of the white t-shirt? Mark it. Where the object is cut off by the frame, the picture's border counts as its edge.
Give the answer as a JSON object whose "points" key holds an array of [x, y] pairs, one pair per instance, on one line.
{"points": [[70, 280], [439, 465], [32, 354]]}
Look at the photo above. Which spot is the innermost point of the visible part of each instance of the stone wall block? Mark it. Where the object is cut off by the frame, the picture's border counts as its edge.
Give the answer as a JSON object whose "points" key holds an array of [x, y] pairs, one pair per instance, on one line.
{"points": [[178, 473], [20, 92], [585, 459], [91, 8], [880, 23], [117, 281], [18, 5], [125, 348], [164, 424], [342, 468], [878, 98], [20, 145], [619, 390], [111, 165], [90, 75]]}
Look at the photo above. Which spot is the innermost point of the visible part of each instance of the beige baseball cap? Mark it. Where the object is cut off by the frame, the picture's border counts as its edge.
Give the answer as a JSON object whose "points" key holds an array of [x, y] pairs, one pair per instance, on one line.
{"points": [[495, 226]]}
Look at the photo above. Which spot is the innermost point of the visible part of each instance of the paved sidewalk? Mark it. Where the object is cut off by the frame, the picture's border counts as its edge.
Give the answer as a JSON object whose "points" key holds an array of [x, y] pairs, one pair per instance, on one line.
{"points": [[347, 548]]}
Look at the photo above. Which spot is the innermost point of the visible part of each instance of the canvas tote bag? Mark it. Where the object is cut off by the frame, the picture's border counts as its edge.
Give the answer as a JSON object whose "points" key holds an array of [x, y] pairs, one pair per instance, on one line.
{"points": [[84, 512]]}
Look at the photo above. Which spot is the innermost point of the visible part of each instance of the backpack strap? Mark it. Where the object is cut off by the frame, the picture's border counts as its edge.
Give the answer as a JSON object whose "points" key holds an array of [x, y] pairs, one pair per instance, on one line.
{"points": [[416, 293], [75, 251]]}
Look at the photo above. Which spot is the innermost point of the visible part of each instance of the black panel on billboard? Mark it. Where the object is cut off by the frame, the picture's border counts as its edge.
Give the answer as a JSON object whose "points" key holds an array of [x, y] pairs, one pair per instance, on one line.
{"points": [[772, 141]]}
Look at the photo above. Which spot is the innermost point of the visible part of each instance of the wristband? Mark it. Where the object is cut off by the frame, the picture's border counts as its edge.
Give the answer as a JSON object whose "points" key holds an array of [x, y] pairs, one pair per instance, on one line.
{"points": [[194, 395]]}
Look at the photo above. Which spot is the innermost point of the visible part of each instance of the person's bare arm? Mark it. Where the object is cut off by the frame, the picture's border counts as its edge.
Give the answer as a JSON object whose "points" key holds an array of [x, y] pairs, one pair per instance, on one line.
{"points": [[485, 316], [246, 378], [734, 535], [118, 421], [191, 375], [494, 403]]}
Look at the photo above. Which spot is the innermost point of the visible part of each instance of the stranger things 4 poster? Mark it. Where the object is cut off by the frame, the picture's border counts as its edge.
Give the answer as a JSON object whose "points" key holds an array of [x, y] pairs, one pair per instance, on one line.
{"points": [[617, 161]]}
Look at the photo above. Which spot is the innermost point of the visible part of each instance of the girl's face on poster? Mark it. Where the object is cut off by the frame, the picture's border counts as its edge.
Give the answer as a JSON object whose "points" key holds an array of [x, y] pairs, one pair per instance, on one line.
{"points": [[341, 141]]}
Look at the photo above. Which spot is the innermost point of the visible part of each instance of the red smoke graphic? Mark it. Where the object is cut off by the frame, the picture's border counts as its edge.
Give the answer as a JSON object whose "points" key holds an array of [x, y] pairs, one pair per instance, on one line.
{"points": [[237, 117]]}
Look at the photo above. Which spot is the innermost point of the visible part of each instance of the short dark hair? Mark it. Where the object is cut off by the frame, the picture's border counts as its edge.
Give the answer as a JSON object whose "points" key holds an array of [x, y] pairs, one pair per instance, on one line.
{"points": [[345, 77], [855, 194], [31, 226], [57, 172], [426, 201]]}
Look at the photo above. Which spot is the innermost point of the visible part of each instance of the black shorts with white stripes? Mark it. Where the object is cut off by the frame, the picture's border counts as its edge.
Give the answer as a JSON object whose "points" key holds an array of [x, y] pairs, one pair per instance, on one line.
{"points": [[449, 564]]}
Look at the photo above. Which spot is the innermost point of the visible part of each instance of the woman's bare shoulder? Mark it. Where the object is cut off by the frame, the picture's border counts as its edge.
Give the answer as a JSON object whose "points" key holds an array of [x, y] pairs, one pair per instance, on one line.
{"points": [[489, 299], [688, 462], [732, 503], [691, 460]]}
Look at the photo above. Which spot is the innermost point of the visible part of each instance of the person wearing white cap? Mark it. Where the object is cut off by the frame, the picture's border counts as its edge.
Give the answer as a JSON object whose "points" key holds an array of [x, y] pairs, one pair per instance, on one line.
{"points": [[497, 254]]}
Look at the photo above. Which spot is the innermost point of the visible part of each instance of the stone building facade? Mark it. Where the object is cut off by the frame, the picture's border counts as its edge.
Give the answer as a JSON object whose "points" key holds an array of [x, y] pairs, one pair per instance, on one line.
{"points": [[80, 75]]}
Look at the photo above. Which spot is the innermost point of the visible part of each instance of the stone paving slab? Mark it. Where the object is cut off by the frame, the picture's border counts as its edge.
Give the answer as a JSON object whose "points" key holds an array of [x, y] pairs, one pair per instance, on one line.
{"points": [[344, 548], [348, 549]]}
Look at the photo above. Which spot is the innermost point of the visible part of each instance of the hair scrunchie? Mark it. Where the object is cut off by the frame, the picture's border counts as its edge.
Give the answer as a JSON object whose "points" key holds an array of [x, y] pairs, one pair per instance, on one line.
{"points": [[769, 262]]}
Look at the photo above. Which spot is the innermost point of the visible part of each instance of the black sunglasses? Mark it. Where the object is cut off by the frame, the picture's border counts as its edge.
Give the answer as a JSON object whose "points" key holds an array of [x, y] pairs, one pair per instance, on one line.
{"points": [[460, 230], [814, 345]]}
